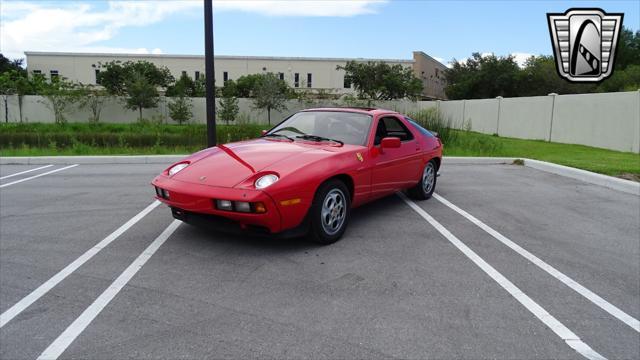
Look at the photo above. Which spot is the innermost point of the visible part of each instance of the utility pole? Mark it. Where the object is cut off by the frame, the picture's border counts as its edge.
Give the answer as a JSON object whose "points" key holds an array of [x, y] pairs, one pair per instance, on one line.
{"points": [[209, 72]]}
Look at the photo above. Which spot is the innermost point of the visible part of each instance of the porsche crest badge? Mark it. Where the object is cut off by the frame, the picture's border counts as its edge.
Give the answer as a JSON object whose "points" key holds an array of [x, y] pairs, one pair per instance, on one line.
{"points": [[359, 156]]}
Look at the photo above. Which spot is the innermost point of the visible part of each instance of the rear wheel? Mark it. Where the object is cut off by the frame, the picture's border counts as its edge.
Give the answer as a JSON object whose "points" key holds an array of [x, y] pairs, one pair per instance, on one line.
{"points": [[427, 185], [330, 212]]}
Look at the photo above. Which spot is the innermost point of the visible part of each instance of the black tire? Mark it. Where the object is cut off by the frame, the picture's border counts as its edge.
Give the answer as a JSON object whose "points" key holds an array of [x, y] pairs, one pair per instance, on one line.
{"points": [[422, 190], [324, 230]]}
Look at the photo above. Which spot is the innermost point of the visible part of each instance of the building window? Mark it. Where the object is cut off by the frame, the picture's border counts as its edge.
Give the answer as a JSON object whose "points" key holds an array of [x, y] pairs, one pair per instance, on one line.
{"points": [[225, 76], [347, 82], [37, 72], [54, 74], [197, 76], [296, 80], [97, 71], [184, 73], [309, 80], [281, 76]]}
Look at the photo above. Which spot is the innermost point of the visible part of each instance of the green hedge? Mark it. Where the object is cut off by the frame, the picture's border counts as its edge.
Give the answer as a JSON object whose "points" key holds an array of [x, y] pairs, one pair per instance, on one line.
{"points": [[118, 135]]}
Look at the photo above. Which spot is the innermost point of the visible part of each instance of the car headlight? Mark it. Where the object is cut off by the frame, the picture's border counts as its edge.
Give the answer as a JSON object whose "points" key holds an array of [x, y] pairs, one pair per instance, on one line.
{"points": [[265, 181], [176, 168]]}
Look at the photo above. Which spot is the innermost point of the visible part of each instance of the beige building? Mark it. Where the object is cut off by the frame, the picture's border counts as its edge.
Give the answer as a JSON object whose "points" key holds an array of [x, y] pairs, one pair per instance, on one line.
{"points": [[299, 72]]}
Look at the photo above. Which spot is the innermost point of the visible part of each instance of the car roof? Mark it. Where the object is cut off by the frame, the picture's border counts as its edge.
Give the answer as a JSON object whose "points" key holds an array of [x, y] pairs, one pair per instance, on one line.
{"points": [[361, 110]]}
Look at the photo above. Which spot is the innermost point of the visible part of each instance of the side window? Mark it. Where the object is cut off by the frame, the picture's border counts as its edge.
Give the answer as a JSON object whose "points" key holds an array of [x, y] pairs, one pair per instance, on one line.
{"points": [[396, 128]]}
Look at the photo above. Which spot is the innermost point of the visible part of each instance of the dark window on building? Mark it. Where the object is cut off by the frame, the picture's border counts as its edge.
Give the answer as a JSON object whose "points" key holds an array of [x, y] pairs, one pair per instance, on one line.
{"points": [[97, 76], [347, 82], [309, 76], [197, 75], [225, 76], [184, 73], [281, 76], [296, 80], [37, 72], [54, 74]]}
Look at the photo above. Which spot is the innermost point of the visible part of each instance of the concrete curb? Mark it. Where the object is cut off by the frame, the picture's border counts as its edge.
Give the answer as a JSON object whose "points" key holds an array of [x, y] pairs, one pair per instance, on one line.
{"points": [[627, 186]]}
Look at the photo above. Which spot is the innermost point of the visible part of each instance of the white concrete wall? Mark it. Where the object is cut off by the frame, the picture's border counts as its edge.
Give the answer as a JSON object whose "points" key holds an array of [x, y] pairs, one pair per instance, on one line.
{"points": [[608, 120], [482, 115], [525, 118], [34, 109]]}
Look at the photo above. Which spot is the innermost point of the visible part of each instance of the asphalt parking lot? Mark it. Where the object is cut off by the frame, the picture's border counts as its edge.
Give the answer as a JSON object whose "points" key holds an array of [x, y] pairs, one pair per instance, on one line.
{"points": [[507, 262]]}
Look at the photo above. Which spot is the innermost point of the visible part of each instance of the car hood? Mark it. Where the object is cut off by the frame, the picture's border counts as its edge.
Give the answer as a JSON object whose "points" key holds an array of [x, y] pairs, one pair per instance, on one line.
{"points": [[230, 164]]}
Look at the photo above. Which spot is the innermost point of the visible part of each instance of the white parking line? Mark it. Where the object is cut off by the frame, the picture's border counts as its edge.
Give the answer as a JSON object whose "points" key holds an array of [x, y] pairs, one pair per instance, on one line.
{"points": [[36, 294], [37, 176], [24, 172], [569, 337], [59, 345], [590, 295]]}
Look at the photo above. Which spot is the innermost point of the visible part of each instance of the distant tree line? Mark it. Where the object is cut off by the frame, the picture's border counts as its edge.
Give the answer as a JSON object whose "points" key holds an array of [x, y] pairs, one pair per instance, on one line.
{"points": [[139, 84], [490, 76]]}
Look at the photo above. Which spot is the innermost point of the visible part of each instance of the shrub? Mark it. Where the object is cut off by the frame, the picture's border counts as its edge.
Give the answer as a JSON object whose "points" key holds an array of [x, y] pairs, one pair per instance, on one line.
{"points": [[432, 120], [180, 109]]}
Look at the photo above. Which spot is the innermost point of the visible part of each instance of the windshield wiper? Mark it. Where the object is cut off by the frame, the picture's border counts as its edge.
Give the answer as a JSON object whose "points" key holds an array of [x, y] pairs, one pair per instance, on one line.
{"points": [[279, 135], [318, 138]]}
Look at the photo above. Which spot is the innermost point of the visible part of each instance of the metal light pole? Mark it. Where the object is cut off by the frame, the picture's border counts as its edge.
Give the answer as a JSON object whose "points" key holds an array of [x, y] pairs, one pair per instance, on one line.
{"points": [[209, 73]]}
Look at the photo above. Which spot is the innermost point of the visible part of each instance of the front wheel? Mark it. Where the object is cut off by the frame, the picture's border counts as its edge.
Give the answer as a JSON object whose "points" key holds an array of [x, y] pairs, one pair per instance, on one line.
{"points": [[427, 185], [330, 212]]}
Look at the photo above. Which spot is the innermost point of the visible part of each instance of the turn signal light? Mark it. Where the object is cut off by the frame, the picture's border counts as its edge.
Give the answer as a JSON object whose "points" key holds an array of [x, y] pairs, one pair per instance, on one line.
{"points": [[259, 208]]}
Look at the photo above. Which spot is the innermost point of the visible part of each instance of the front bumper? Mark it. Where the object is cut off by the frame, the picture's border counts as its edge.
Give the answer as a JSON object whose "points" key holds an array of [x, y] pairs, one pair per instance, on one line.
{"points": [[195, 201]]}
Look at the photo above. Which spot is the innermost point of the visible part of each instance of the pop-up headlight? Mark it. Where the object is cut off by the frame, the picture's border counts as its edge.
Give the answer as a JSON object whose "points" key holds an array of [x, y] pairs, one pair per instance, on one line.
{"points": [[266, 180], [177, 168]]}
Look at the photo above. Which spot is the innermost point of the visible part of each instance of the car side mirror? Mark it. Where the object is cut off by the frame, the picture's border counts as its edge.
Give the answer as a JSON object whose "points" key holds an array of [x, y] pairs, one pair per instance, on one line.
{"points": [[263, 132], [390, 143]]}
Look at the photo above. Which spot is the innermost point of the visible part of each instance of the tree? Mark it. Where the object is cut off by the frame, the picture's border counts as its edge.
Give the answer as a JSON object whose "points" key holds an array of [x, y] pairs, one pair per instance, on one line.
{"points": [[539, 77], [628, 50], [627, 79], [141, 93], [381, 81], [93, 98], [483, 76], [180, 109], [7, 65], [185, 86], [8, 87], [270, 94], [245, 85], [116, 75], [228, 104], [60, 95]]}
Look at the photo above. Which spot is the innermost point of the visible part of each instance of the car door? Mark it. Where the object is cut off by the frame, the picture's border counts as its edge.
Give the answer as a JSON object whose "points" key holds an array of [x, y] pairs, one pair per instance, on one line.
{"points": [[394, 169]]}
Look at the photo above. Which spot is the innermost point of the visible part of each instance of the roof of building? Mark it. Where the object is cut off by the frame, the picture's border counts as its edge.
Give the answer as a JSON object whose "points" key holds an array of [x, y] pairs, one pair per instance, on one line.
{"points": [[230, 57]]}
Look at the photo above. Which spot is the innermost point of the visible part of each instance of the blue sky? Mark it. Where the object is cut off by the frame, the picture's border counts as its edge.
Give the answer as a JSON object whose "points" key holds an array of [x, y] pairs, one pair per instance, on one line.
{"points": [[362, 28]]}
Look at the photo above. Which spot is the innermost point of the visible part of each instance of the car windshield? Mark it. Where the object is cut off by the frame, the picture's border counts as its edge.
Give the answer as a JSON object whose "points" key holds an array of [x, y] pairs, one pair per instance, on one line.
{"points": [[347, 127]]}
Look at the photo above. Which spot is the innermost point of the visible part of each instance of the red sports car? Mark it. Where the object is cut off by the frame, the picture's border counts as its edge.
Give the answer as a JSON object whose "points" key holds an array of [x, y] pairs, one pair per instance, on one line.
{"points": [[304, 175]]}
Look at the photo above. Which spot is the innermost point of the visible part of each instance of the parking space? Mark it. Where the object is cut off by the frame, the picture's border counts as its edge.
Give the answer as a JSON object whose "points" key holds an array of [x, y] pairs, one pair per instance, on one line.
{"points": [[394, 286]]}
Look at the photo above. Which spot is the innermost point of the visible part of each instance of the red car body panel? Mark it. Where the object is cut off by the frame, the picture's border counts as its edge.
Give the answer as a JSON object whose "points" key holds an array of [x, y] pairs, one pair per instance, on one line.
{"points": [[228, 172]]}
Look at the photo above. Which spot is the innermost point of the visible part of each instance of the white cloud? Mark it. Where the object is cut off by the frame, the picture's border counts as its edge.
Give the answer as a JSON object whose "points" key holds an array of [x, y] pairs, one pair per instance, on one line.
{"points": [[338, 8], [81, 27], [521, 58]]}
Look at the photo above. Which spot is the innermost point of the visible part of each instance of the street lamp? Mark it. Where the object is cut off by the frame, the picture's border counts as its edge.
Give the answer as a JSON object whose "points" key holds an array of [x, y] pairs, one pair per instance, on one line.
{"points": [[209, 73]]}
